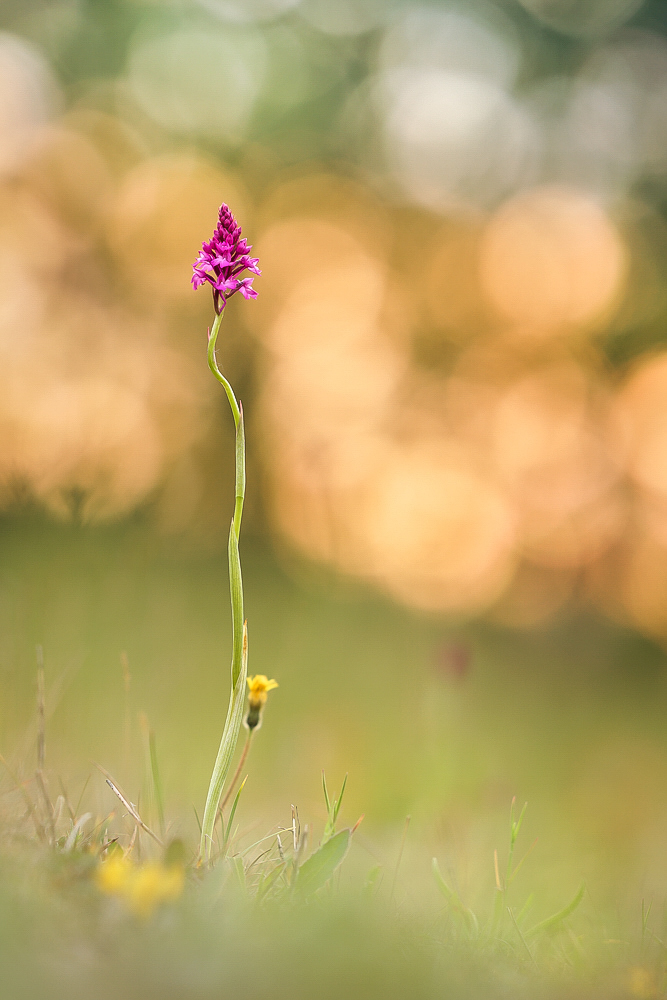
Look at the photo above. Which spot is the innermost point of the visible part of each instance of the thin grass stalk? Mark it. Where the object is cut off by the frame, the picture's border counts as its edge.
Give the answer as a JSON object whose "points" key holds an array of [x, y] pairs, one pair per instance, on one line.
{"points": [[237, 772], [239, 664]]}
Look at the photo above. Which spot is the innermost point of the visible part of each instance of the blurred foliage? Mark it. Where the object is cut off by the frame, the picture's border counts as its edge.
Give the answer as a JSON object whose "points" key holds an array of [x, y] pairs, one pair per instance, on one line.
{"points": [[459, 209]]}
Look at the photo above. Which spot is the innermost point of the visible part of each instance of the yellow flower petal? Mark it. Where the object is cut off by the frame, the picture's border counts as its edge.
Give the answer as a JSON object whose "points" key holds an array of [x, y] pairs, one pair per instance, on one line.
{"points": [[260, 684], [152, 885], [143, 887], [113, 874]]}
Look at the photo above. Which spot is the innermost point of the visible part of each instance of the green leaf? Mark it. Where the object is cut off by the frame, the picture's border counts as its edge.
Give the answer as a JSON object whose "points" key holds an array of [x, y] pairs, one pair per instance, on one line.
{"points": [[320, 866], [228, 743]]}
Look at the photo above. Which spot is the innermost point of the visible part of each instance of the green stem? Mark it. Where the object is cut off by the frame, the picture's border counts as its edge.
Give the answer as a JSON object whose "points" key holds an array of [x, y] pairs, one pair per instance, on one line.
{"points": [[213, 365], [239, 632], [237, 413]]}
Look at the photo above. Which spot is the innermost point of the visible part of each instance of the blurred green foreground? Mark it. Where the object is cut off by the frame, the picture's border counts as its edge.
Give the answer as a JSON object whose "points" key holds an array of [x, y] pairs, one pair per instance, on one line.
{"points": [[445, 724]]}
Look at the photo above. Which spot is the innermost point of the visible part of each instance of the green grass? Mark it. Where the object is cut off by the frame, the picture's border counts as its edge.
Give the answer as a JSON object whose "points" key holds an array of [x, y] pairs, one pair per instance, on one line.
{"points": [[570, 719], [289, 920]]}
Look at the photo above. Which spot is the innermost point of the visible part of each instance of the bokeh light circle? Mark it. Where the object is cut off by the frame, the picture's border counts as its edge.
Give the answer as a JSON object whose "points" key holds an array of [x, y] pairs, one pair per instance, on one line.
{"points": [[641, 421], [453, 139], [162, 211], [345, 17], [479, 43], [28, 96], [583, 18], [441, 533], [195, 81], [551, 258], [248, 11]]}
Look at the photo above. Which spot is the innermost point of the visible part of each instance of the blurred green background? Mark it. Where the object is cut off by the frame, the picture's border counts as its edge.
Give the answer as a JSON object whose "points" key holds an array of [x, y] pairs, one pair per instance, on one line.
{"points": [[455, 380]]}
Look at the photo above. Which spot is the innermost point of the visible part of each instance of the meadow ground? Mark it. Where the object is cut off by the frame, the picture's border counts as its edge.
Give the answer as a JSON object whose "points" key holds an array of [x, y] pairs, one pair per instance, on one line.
{"points": [[445, 723]]}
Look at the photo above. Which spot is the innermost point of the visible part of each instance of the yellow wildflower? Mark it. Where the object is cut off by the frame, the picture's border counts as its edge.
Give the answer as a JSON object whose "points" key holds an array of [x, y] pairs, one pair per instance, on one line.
{"points": [[141, 887], [258, 688], [113, 874], [153, 884], [641, 983]]}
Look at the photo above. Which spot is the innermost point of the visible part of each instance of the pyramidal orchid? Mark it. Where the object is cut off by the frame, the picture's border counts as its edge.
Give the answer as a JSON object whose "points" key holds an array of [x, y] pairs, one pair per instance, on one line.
{"points": [[223, 259], [221, 264]]}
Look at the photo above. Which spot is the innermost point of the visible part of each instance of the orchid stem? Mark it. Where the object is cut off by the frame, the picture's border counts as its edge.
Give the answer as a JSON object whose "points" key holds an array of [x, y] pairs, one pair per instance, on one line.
{"points": [[213, 365], [239, 666], [237, 413]]}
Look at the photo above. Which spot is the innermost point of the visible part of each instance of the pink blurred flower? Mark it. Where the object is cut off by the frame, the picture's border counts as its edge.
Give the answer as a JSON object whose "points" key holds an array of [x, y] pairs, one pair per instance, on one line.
{"points": [[223, 259]]}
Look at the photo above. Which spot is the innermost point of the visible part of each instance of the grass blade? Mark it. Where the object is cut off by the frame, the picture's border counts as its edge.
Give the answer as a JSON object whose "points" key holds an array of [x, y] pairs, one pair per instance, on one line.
{"points": [[551, 923], [522, 938], [232, 814], [454, 901], [41, 723], [158, 792], [326, 793], [268, 881], [333, 808], [75, 832], [128, 805], [400, 856], [339, 800]]}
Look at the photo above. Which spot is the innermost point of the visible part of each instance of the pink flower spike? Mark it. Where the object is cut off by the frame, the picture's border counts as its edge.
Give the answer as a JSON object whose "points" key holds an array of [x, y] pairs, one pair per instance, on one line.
{"points": [[222, 258]]}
